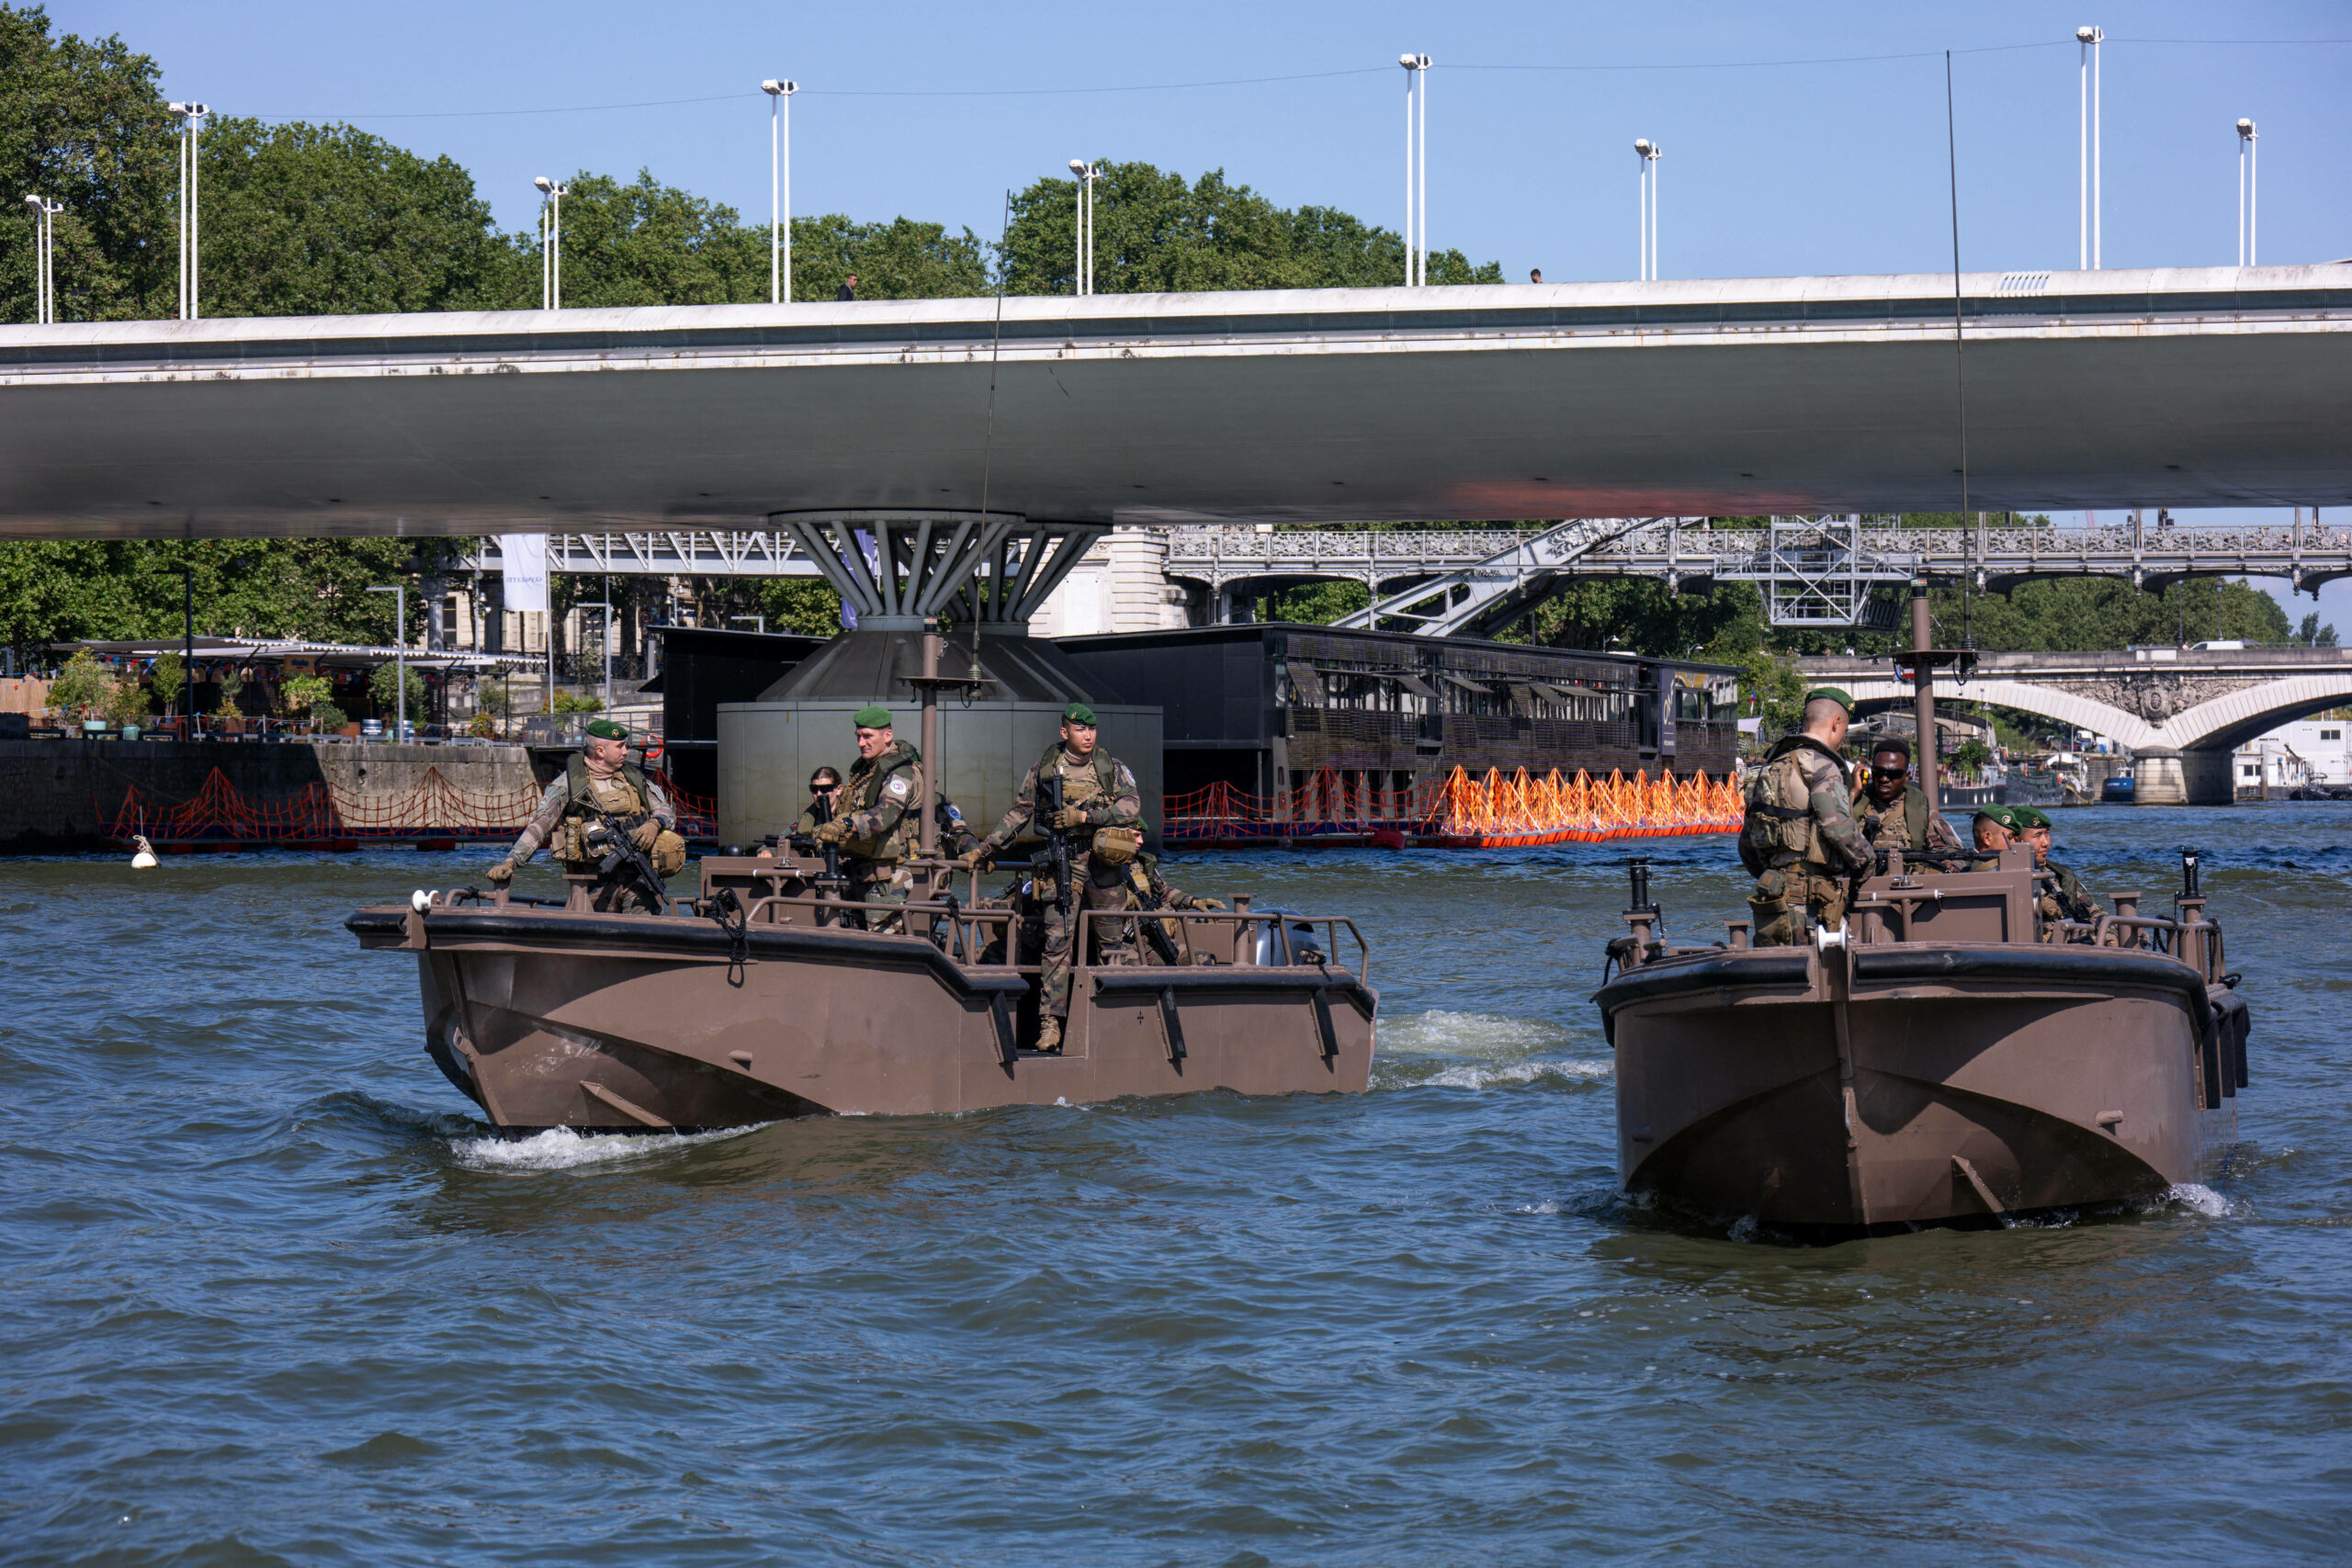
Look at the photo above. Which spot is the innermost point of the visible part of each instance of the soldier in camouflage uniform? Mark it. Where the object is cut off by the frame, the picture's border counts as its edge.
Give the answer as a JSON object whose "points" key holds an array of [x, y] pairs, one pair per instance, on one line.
{"points": [[2071, 900], [879, 824], [1098, 792], [1119, 875], [600, 779], [1897, 814], [1799, 839]]}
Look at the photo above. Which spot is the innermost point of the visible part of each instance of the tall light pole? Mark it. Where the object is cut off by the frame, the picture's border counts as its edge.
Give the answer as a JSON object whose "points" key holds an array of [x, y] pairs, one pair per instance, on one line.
{"points": [[606, 640], [2246, 135], [191, 124], [45, 212], [1417, 169], [779, 188], [2088, 244], [1648, 152], [1085, 173], [552, 243], [400, 657]]}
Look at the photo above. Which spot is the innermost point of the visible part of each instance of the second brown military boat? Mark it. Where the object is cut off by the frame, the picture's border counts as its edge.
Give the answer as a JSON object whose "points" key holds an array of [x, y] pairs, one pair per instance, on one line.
{"points": [[762, 997], [1948, 1054]]}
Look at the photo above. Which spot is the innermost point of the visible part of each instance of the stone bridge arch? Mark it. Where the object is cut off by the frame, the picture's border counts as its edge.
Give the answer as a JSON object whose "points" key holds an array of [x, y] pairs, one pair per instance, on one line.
{"points": [[2180, 758]]}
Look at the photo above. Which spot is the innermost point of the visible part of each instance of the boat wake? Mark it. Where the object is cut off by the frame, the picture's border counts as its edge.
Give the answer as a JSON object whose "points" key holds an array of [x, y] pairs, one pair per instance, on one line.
{"points": [[560, 1148], [1481, 1051]]}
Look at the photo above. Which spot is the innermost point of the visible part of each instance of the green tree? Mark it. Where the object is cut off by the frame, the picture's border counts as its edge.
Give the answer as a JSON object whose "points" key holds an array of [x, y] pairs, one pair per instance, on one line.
{"points": [[316, 221], [808, 606], [1154, 233], [81, 683], [2310, 634], [903, 259], [384, 681], [168, 678], [647, 244], [107, 588], [82, 123]]}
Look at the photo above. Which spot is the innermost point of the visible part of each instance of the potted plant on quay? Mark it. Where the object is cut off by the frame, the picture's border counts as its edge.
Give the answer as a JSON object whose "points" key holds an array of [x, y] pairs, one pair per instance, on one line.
{"points": [[80, 685]]}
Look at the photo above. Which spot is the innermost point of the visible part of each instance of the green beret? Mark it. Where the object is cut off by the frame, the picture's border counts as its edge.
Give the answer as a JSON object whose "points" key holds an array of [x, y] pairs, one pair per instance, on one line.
{"points": [[1078, 713], [1833, 693], [872, 717], [605, 729], [2028, 818], [2000, 814]]}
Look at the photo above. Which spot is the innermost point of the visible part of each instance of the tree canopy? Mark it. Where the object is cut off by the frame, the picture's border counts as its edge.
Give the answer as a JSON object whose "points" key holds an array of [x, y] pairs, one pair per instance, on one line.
{"points": [[82, 123], [310, 219], [1154, 234]]}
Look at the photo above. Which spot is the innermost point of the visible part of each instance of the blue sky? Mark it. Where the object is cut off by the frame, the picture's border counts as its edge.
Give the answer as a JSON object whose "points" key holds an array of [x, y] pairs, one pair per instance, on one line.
{"points": [[1770, 168]]}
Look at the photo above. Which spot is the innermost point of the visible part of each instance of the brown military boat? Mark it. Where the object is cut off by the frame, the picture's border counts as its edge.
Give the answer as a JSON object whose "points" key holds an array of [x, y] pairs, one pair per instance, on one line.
{"points": [[1948, 1054], [1936, 1059], [762, 997]]}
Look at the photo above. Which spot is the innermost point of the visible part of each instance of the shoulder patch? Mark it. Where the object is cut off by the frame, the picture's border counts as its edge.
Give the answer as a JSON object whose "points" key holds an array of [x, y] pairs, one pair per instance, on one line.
{"points": [[897, 788], [1126, 778]]}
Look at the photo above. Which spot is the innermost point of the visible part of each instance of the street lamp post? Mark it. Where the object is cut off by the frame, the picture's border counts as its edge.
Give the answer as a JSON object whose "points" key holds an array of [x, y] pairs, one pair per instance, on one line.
{"points": [[552, 243], [2247, 194], [400, 657], [45, 212], [1648, 152], [1084, 174], [191, 126], [1416, 168], [779, 188], [604, 641], [2087, 243]]}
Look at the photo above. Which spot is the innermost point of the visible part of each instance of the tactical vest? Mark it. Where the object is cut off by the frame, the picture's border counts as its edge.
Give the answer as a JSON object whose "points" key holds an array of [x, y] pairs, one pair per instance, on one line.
{"points": [[634, 799], [869, 794], [1911, 821], [1098, 782], [1779, 829]]}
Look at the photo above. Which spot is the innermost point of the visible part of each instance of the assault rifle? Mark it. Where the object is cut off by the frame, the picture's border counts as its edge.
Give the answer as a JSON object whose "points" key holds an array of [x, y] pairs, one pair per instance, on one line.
{"points": [[1155, 928], [1047, 807], [617, 857]]}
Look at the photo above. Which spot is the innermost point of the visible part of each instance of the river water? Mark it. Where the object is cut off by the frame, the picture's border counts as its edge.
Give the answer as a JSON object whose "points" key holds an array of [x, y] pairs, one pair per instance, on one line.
{"points": [[272, 1295]]}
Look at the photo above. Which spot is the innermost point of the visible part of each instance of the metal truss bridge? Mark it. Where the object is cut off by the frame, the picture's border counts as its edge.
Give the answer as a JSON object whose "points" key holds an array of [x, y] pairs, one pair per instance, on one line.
{"points": [[1813, 570]]}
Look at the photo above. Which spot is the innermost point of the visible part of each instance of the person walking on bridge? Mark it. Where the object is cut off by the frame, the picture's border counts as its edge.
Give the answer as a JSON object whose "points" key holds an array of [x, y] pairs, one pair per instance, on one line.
{"points": [[1799, 839]]}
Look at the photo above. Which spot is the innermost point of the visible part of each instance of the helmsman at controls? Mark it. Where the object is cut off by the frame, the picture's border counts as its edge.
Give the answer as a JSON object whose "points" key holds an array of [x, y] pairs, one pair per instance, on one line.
{"points": [[1799, 839]]}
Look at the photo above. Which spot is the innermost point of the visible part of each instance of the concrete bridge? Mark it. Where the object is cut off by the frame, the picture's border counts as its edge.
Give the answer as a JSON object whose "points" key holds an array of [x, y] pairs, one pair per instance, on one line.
{"points": [[2195, 386], [2181, 711]]}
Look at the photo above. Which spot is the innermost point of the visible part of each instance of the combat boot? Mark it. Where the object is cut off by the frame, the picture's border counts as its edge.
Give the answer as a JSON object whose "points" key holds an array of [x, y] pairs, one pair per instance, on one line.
{"points": [[1049, 1034]]}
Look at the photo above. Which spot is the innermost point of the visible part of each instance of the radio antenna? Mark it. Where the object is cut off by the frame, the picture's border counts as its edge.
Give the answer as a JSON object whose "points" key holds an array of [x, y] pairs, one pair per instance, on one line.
{"points": [[988, 446], [1959, 349]]}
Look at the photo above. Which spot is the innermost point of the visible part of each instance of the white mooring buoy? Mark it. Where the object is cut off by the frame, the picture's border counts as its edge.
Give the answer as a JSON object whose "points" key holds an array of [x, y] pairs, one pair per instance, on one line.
{"points": [[146, 855]]}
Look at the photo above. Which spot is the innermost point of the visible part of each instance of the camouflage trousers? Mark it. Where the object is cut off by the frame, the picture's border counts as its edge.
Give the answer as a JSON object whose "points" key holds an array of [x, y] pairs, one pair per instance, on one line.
{"points": [[878, 882], [1057, 958], [1784, 897]]}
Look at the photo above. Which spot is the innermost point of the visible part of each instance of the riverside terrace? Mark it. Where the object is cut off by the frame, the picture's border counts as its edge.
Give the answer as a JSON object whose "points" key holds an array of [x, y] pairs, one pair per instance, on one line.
{"points": [[2179, 388]]}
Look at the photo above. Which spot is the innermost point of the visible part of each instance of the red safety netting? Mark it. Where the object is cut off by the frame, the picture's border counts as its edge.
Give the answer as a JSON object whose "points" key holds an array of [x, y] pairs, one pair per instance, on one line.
{"points": [[1461, 811], [219, 812]]}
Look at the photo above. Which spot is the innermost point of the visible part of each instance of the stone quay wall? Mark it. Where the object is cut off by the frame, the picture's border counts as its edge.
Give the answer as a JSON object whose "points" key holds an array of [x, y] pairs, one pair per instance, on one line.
{"points": [[62, 795]]}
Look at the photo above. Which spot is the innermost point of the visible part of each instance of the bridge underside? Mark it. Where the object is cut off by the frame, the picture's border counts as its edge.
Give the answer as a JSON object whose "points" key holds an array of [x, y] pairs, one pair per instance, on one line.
{"points": [[2192, 389]]}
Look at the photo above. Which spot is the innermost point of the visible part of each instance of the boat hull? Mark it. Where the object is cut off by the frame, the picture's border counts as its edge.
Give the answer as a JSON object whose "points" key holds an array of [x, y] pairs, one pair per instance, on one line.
{"points": [[1927, 1084], [635, 1022]]}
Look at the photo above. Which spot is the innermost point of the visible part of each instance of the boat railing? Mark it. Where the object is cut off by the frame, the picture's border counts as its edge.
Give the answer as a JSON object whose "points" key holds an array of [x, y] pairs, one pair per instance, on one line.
{"points": [[1236, 938]]}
